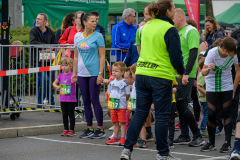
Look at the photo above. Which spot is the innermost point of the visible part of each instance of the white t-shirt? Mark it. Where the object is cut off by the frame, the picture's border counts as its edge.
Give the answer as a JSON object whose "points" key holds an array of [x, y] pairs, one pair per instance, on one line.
{"points": [[133, 92], [119, 90], [220, 78]]}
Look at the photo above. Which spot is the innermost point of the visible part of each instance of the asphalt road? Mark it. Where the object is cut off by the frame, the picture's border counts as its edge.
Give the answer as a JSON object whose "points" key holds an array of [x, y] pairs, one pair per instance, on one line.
{"points": [[55, 147]]}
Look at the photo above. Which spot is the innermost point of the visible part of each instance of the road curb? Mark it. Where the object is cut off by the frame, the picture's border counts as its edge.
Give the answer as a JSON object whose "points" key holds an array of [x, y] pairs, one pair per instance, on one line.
{"points": [[45, 129]]}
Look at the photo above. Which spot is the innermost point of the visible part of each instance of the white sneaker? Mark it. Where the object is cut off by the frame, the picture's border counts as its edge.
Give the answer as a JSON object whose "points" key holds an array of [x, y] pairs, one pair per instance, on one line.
{"points": [[126, 154], [169, 157], [111, 128], [234, 155]]}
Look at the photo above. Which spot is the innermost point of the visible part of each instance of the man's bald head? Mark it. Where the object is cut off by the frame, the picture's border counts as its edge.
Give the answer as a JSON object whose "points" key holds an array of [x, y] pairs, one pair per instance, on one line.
{"points": [[179, 18], [180, 12]]}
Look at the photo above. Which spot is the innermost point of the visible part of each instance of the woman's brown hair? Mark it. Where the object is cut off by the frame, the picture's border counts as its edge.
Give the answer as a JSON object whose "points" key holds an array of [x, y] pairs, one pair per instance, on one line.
{"points": [[159, 8], [214, 22], [201, 63], [192, 22], [67, 21]]}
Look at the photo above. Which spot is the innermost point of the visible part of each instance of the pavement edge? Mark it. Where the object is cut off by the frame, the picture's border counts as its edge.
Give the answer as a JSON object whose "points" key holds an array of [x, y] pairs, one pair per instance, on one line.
{"points": [[45, 129]]}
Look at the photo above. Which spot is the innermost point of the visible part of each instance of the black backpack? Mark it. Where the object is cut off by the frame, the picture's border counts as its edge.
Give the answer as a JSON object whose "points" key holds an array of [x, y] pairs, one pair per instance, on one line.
{"points": [[236, 35]]}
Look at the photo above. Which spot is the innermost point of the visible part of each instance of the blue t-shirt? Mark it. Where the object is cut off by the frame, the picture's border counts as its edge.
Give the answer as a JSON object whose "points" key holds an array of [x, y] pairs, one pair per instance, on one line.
{"points": [[88, 56]]}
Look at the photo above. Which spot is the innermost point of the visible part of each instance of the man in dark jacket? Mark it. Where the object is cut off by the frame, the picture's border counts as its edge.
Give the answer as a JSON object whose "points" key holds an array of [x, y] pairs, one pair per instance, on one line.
{"points": [[41, 35], [132, 54], [98, 28]]}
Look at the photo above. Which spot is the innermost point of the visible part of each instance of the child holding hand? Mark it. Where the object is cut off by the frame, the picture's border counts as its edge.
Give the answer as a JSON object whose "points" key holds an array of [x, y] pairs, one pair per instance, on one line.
{"points": [[67, 96], [119, 90]]}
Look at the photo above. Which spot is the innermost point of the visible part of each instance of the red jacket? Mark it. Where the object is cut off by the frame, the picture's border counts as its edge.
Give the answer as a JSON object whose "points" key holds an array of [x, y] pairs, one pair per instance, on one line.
{"points": [[65, 38]]}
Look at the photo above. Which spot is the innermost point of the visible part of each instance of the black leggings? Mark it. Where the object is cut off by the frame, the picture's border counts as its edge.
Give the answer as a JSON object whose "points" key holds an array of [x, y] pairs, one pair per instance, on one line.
{"points": [[225, 100], [68, 110]]}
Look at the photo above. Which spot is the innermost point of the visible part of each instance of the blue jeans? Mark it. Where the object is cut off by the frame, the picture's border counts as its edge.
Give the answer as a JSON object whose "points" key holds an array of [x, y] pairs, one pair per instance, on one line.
{"points": [[46, 83], [151, 90]]}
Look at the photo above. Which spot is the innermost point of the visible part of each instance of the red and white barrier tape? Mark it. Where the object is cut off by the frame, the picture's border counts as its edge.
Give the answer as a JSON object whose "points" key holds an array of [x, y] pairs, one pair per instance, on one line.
{"points": [[36, 70], [30, 70], [109, 70]]}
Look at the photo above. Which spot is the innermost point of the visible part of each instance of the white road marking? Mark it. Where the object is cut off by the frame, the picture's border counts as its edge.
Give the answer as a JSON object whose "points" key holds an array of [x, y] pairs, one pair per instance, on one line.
{"points": [[216, 158], [151, 150]]}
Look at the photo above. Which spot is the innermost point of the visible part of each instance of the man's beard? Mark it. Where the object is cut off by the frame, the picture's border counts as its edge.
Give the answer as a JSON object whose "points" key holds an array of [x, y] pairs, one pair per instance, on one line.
{"points": [[39, 25]]}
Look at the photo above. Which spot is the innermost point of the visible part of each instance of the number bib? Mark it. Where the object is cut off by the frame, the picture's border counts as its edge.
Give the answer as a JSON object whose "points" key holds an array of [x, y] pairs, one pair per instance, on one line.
{"points": [[65, 89], [113, 103], [131, 104], [43, 56]]}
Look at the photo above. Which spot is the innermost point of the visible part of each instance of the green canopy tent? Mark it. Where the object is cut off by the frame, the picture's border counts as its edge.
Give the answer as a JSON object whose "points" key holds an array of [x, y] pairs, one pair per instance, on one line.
{"points": [[116, 7], [230, 16], [57, 9]]}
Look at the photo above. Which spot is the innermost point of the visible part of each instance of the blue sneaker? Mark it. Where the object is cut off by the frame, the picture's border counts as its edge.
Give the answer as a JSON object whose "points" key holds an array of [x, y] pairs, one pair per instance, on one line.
{"points": [[235, 155], [218, 132]]}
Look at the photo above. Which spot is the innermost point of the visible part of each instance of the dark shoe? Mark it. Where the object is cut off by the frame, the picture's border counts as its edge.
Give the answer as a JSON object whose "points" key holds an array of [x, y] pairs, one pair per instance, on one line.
{"points": [[149, 137], [208, 147], [197, 141], [87, 134], [170, 144], [98, 134], [225, 148], [126, 154], [182, 140]]}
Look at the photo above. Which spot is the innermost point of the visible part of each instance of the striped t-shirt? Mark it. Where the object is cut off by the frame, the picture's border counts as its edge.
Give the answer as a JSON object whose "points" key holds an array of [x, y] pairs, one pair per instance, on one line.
{"points": [[220, 78]]}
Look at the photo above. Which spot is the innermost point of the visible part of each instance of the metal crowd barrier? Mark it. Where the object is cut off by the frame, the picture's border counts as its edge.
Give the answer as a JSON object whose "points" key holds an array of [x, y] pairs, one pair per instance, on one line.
{"points": [[26, 69]]}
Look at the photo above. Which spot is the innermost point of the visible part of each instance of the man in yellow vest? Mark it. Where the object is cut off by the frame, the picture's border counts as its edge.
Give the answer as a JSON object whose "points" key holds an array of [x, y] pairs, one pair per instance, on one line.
{"points": [[160, 57]]}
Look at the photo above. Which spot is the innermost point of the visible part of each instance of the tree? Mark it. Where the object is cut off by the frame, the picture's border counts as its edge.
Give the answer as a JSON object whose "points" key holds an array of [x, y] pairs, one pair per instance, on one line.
{"points": [[209, 8]]}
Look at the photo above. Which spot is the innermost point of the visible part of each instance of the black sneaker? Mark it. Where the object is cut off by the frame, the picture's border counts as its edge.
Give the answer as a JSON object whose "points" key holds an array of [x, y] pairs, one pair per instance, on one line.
{"points": [[170, 144], [208, 147], [98, 134], [87, 133], [197, 141], [182, 140], [225, 148]]}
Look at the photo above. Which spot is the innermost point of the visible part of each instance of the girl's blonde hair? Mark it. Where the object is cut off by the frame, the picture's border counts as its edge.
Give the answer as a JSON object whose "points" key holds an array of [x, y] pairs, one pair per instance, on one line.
{"points": [[68, 61], [133, 68]]}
